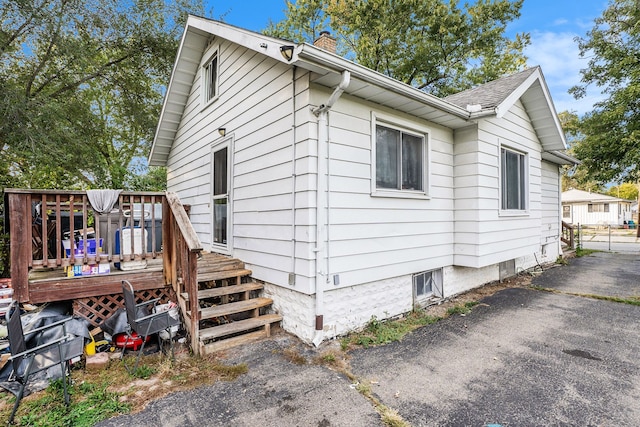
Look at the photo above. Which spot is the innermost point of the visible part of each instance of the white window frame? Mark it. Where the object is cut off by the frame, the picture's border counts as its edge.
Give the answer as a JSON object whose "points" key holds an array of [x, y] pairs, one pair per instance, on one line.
{"points": [[227, 142], [524, 175], [411, 128], [205, 77]]}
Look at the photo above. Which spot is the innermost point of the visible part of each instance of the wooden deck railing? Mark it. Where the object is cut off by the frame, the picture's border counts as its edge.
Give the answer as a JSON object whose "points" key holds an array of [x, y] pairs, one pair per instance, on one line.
{"points": [[43, 224], [568, 234], [55, 228], [181, 262]]}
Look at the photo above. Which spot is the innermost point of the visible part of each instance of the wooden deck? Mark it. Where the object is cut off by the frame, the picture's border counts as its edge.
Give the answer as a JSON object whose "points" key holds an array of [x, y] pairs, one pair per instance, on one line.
{"points": [[220, 304], [54, 285]]}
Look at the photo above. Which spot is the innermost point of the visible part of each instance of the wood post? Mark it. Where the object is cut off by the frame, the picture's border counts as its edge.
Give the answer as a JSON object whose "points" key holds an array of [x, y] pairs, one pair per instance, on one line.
{"points": [[19, 229]]}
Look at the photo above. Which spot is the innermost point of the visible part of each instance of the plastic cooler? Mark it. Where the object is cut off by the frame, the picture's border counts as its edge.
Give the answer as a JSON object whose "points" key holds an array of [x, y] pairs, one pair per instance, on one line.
{"points": [[139, 236]]}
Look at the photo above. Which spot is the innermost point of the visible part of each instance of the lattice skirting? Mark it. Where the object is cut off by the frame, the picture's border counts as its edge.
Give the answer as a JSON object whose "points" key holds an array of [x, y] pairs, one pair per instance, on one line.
{"points": [[97, 309]]}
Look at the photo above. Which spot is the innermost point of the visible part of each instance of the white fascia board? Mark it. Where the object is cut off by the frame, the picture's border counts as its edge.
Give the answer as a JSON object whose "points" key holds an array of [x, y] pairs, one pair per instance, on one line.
{"points": [[307, 55], [153, 160], [269, 46], [559, 158]]}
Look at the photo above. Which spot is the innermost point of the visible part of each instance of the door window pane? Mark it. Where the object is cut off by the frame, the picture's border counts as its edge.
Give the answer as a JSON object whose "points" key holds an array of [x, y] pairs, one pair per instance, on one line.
{"points": [[220, 172], [220, 220]]}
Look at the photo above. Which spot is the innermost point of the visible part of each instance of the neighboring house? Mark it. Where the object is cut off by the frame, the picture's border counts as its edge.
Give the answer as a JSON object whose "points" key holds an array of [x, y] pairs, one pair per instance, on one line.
{"points": [[587, 208], [351, 194]]}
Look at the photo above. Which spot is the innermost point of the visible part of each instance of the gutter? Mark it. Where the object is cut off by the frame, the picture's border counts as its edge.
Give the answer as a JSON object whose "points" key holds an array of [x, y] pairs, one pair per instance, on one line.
{"points": [[322, 276], [311, 54]]}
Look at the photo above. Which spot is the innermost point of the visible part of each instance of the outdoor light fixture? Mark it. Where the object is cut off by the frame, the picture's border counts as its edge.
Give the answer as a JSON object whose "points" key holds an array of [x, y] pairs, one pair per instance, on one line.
{"points": [[222, 131], [287, 52]]}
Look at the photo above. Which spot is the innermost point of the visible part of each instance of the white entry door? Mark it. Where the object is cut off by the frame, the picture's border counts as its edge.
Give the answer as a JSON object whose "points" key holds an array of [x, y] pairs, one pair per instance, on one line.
{"points": [[220, 156]]}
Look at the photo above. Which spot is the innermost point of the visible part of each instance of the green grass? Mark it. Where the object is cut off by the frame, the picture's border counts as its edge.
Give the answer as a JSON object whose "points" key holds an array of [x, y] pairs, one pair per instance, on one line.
{"points": [[379, 332], [585, 252], [462, 309], [90, 403], [98, 395], [144, 372], [382, 332]]}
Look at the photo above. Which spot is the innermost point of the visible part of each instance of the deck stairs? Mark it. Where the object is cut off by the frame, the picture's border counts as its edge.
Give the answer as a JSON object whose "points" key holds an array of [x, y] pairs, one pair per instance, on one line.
{"points": [[230, 309]]}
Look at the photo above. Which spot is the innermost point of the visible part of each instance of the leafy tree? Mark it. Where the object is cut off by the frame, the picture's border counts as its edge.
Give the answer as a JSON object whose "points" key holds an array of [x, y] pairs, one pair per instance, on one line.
{"points": [[433, 45], [154, 179], [81, 85], [626, 190], [575, 176], [610, 150]]}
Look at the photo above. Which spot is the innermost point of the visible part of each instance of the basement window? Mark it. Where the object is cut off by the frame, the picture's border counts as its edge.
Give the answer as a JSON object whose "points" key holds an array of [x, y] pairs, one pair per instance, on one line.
{"points": [[426, 286]]}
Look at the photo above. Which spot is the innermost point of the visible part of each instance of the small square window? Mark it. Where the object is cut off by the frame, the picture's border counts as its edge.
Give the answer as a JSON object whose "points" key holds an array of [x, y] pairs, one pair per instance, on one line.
{"points": [[210, 78], [427, 285], [513, 180]]}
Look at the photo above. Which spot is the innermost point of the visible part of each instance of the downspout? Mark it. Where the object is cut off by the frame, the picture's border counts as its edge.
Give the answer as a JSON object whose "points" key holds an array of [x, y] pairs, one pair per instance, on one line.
{"points": [[560, 210], [322, 278], [292, 273]]}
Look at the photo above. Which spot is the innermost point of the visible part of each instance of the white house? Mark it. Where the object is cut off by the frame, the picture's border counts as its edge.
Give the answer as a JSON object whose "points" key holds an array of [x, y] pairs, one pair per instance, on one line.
{"points": [[587, 208], [351, 194]]}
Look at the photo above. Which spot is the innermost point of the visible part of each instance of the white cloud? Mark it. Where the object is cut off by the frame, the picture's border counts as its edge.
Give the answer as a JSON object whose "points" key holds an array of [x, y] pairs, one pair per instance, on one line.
{"points": [[559, 57]]}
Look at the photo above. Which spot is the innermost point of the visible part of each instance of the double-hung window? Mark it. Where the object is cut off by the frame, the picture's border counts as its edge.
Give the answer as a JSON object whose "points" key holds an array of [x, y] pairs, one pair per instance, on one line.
{"points": [[210, 78], [400, 160], [513, 180]]}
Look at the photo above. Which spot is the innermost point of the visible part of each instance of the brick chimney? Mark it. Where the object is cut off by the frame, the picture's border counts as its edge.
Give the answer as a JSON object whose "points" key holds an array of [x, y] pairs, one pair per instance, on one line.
{"points": [[326, 42]]}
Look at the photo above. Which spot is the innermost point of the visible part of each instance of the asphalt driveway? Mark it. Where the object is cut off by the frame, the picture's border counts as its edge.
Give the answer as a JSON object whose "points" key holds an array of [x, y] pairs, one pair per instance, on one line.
{"points": [[522, 357]]}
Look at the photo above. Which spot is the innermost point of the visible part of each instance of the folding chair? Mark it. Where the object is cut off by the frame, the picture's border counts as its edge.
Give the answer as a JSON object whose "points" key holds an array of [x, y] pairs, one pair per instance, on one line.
{"points": [[144, 324], [28, 361]]}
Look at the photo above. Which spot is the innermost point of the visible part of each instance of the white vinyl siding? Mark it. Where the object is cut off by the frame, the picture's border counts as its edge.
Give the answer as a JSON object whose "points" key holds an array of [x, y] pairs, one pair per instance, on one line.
{"points": [[255, 106], [617, 213], [376, 238], [484, 233], [550, 231]]}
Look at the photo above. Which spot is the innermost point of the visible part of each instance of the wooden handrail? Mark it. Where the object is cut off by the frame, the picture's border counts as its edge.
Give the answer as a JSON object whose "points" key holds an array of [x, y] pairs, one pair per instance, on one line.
{"points": [[182, 220], [568, 234], [181, 250]]}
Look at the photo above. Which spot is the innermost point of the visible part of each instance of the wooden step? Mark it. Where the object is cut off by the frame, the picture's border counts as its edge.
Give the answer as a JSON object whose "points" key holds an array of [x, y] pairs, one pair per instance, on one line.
{"points": [[232, 342], [233, 264], [234, 307], [225, 290], [239, 326], [225, 274]]}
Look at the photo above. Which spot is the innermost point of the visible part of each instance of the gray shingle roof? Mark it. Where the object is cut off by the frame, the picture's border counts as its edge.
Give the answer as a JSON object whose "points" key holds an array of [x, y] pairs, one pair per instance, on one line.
{"points": [[492, 94]]}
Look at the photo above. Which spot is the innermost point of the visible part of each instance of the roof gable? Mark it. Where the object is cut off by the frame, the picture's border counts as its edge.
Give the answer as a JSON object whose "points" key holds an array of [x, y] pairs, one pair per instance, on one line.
{"points": [[497, 97], [494, 98]]}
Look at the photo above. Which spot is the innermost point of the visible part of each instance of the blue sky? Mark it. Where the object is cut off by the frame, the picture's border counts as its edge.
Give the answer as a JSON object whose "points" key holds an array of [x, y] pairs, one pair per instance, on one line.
{"points": [[553, 25]]}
